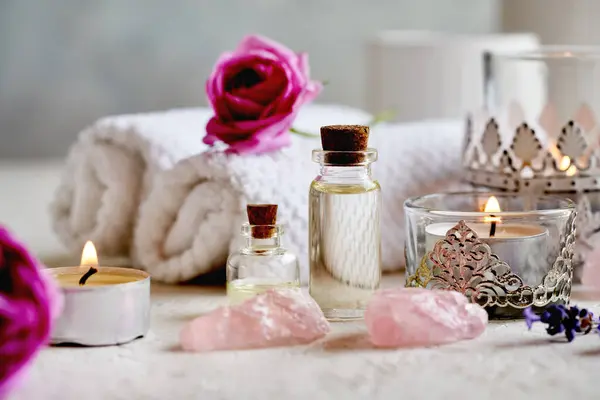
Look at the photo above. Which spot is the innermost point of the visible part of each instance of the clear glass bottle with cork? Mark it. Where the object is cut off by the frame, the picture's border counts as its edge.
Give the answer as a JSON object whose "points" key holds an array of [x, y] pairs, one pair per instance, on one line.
{"points": [[262, 264], [344, 223]]}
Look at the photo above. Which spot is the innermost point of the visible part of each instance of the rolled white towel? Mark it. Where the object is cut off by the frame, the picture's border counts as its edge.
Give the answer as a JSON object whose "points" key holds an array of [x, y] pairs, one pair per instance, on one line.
{"points": [[109, 169], [191, 218], [111, 166]]}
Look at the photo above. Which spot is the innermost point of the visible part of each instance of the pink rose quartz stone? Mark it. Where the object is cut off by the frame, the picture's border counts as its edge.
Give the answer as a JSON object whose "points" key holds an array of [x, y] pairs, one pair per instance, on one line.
{"points": [[274, 318], [590, 276], [410, 317]]}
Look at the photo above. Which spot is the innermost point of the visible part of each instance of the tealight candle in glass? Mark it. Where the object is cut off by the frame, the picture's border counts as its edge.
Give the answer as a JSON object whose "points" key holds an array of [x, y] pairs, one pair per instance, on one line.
{"points": [[503, 251]]}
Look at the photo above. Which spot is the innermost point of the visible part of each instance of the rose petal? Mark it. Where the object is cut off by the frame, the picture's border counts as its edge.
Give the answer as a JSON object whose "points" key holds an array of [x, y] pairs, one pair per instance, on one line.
{"points": [[28, 304], [260, 146], [211, 138], [241, 108], [313, 89], [257, 126], [259, 46], [258, 42], [244, 131], [218, 130], [284, 104], [303, 65], [215, 86], [271, 138], [238, 62], [266, 91]]}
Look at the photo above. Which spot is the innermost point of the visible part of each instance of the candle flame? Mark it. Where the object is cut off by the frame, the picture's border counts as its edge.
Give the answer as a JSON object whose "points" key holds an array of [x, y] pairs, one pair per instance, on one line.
{"points": [[565, 161], [565, 165], [492, 206], [89, 257]]}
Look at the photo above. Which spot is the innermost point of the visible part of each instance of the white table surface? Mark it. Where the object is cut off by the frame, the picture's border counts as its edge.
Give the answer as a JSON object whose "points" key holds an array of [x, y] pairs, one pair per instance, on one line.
{"points": [[506, 362]]}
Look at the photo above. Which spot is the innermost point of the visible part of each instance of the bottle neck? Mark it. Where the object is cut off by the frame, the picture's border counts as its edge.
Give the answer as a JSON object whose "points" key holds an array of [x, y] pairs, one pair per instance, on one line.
{"points": [[256, 244], [345, 174]]}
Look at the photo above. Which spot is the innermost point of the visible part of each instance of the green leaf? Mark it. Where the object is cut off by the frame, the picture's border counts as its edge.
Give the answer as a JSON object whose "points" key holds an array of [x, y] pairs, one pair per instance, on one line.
{"points": [[325, 82]]}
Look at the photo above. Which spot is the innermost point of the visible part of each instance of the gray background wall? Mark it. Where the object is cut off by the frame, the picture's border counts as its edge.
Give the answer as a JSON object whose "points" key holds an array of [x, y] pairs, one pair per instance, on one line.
{"points": [[557, 22], [64, 63]]}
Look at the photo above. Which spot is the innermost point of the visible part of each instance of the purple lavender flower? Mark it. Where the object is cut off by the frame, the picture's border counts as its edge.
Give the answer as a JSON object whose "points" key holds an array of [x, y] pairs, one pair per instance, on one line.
{"points": [[556, 316], [559, 318], [586, 321], [530, 317]]}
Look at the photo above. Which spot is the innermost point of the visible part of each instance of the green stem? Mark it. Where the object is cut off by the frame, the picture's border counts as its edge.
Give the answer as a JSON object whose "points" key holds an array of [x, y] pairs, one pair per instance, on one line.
{"points": [[377, 119], [382, 117], [302, 133]]}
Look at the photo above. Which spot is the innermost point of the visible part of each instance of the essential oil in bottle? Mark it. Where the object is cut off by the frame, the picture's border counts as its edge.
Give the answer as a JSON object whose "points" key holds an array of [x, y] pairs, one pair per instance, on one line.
{"points": [[262, 264], [344, 224]]}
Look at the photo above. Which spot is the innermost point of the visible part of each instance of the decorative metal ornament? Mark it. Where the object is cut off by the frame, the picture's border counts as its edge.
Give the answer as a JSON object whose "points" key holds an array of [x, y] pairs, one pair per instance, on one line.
{"points": [[464, 263], [525, 145], [557, 157], [571, 142], [490, 141], [568, 165], [422, 275]]}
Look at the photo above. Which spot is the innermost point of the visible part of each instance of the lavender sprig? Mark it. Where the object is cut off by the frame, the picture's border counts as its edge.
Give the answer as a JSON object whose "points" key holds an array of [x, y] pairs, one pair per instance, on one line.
{"points": [[559, 318]]}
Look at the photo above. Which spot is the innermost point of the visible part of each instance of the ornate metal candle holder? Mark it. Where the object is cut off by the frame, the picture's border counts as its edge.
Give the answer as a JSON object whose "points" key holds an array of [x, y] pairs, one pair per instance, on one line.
{"points": [[539, 135], [524, 260]]}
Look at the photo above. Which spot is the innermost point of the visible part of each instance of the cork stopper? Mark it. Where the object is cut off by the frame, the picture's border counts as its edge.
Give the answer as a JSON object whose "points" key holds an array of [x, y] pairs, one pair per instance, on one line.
{"points": [[346, 139], [262, 214]]}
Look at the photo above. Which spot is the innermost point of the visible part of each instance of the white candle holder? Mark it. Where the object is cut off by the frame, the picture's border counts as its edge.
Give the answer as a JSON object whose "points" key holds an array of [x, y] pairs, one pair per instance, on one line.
{"points": [[518, 145], [524, 260]]}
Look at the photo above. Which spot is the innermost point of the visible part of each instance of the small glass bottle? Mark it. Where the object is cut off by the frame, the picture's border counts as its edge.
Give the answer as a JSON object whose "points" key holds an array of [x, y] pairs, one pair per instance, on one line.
{"points": [[344, 218], [262, 264]]}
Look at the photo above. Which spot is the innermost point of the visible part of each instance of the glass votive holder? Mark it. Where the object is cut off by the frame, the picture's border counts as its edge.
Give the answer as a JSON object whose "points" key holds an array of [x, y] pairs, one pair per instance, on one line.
{"points": [[504, 251]]}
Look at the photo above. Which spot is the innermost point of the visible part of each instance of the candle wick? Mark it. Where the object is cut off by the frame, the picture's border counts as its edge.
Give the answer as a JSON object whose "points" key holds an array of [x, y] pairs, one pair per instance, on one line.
{"points": [[493, 227], [87, 275]]}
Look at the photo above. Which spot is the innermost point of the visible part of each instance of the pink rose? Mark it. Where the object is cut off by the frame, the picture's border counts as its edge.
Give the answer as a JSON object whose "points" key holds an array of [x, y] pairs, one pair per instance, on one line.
{"points": [[255, 93], [28, 303]]}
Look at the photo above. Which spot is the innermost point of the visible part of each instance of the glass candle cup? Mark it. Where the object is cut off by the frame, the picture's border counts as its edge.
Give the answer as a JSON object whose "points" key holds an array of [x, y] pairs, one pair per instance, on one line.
{"points": [[538, 131], [563, 77], [512, 255]]}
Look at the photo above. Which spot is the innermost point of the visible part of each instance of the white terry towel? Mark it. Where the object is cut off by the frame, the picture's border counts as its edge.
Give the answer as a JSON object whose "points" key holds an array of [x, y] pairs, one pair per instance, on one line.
{"points": [[191, 218], [110, 168]]}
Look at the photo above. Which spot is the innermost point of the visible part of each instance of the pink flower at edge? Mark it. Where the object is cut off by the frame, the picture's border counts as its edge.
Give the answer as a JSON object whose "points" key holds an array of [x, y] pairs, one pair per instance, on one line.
{"points": [[255, 93], [29, 302]]}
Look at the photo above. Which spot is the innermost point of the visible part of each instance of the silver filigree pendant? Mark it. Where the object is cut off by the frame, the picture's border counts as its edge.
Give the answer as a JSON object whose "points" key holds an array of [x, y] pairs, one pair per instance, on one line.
{"points": [[464, 263]]}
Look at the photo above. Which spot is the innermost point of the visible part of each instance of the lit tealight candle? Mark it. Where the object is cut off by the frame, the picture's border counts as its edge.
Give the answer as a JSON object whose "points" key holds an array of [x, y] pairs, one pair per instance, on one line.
{"points": [[102, 305], [521, 246], [89, 274]]}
